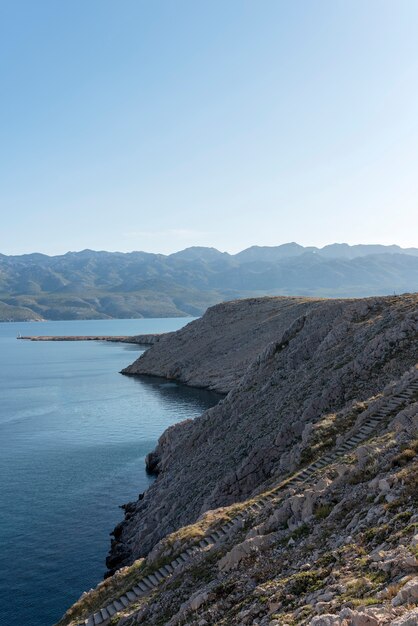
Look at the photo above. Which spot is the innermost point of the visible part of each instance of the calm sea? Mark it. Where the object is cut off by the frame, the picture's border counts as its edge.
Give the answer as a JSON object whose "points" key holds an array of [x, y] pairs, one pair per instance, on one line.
{"points": [[73, 437]]}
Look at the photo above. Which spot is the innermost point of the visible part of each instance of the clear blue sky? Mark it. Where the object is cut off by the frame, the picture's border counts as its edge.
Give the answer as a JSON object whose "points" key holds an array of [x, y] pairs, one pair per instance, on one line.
{"points": [[156, 125]]}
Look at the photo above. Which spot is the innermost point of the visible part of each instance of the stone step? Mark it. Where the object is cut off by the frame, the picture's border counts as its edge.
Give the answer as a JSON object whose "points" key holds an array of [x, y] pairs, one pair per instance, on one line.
{"points": [[98, 619], [161, 572], [110, 609], [153, 579], [118, 606], [168, 567], [137, 591], [158, 576], [105, 614], [124, 600], [148, 582], [131, 596], [90, 621], [142, 587]]}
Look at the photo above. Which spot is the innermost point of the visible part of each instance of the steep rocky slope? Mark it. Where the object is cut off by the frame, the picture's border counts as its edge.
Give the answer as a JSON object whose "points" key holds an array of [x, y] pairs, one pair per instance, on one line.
{"points": [[317, 357], [216, 350], [333, 390]]}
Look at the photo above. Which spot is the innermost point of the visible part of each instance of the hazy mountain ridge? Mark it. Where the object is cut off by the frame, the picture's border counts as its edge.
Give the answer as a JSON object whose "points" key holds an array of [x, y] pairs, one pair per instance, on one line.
{"points": [[91, 285]]}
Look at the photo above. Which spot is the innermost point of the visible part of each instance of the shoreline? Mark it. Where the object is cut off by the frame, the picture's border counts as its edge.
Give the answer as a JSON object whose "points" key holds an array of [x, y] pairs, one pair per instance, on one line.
{"points": [[147, 340]]}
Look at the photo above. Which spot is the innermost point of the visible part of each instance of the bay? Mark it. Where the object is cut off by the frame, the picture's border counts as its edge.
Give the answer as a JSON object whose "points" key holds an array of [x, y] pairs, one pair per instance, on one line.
{"points": [[73, 438]]}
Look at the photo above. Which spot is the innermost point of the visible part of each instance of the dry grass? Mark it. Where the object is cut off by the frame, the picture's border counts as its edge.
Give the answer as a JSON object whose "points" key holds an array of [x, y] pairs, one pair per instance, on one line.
{"points": [[107, 591]]}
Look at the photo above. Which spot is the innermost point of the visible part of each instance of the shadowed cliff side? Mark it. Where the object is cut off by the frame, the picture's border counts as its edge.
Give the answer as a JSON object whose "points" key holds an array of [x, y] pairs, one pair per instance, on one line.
{"points": [[287, 361]]}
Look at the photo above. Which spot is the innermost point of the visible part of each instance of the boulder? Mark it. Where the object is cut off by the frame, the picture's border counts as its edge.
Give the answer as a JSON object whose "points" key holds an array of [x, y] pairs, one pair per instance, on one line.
{"points": [[407, 619], [242, 550], [325, 620], [408, 594]]}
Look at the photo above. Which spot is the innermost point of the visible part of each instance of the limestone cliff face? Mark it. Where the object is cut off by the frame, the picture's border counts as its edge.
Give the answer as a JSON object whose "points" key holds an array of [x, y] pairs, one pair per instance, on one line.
{"points": [[216, 350], [286, 362]]}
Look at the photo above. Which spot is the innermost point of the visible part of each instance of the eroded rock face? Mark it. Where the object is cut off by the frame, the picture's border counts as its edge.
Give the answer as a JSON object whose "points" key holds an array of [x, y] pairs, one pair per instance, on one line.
{"points": [[216, 350], [409, 619], [408, 594], [285, 362]]}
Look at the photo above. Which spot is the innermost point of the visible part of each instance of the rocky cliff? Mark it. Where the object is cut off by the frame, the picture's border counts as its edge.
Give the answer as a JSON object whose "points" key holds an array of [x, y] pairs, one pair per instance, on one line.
{"points": [[287, 362], [309, 462], [216, 350]]}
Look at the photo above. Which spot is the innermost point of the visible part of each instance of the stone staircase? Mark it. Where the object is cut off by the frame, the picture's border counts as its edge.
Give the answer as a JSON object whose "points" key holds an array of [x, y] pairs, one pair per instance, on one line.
{"points": [[303, 477]]}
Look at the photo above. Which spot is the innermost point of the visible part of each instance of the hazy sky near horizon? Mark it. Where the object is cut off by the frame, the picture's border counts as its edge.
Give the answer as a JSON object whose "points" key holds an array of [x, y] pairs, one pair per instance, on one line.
{"points": [[154, 126]]}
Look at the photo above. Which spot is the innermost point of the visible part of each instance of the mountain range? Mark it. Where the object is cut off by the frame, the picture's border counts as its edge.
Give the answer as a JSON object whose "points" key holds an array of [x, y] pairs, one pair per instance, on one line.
{"points": [[98, 284]]}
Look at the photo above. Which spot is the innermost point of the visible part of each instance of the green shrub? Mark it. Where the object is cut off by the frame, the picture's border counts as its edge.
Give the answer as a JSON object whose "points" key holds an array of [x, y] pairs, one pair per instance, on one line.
{"points": [[300, 532], [323, 511], [306, 581]]}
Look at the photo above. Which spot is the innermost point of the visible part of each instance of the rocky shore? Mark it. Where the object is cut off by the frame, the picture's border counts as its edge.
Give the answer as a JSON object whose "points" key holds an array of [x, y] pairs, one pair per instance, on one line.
{"points": [[304, 378]]}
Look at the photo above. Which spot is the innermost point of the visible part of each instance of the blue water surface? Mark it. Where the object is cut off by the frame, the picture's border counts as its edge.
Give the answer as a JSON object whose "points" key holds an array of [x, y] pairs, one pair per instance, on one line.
{"points": [[73, 437]]}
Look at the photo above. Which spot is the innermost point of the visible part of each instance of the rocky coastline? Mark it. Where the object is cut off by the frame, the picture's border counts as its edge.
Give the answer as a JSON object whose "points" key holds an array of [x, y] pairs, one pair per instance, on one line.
{"points": [[301, 377], [283, 361]]}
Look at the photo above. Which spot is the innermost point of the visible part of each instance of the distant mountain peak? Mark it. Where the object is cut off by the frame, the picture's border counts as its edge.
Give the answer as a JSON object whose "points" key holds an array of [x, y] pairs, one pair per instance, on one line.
{"points": [[198, 252]]}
